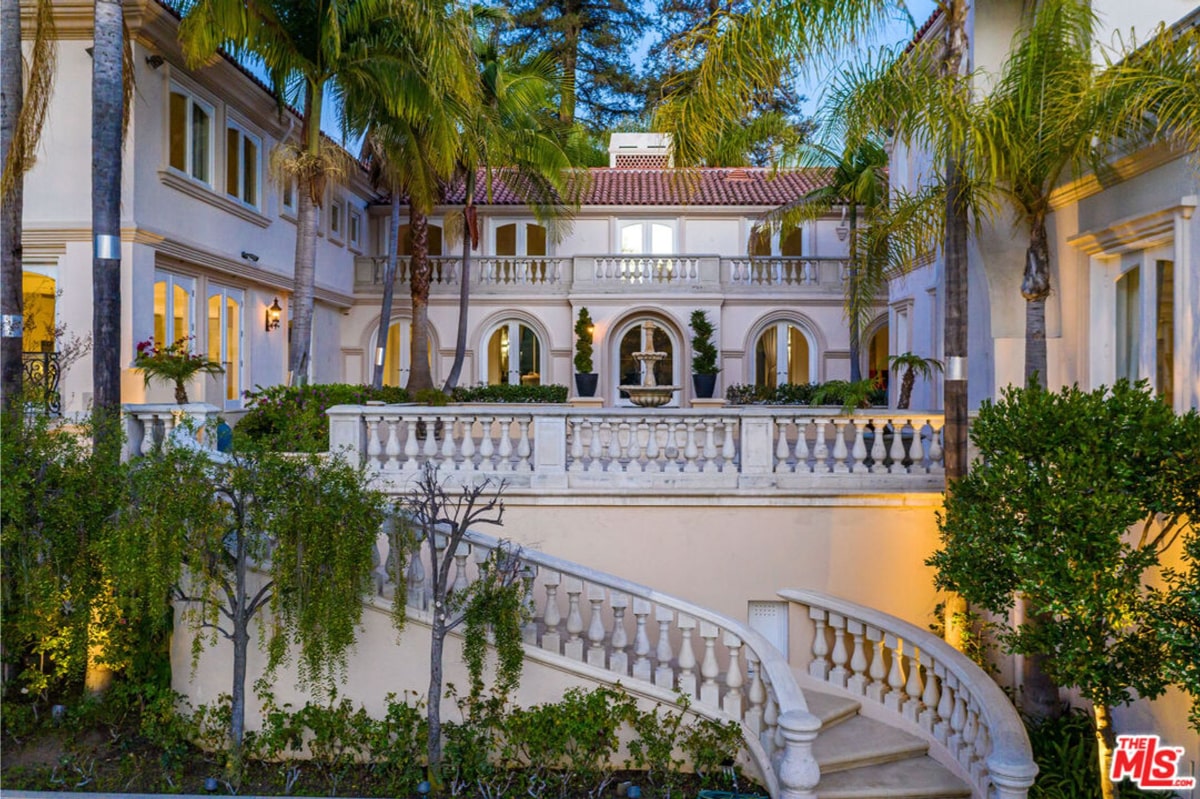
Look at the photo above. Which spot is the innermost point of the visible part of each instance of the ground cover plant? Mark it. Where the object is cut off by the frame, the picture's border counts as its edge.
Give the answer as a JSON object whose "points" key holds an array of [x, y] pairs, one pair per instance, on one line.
{"points": [[292, 418], [834, 392], [506, 392]]}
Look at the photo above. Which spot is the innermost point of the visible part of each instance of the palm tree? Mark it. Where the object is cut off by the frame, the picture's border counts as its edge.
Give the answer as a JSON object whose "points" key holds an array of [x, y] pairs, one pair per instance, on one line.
{"points": [[1050, 108], [913, 365], [512, 138], [336, 48]]}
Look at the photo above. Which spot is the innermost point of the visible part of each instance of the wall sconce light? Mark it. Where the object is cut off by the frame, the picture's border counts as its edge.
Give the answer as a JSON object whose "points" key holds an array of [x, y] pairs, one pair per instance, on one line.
{"points": [[591, 330], [155, 60], [249, 256], [274, 315]]}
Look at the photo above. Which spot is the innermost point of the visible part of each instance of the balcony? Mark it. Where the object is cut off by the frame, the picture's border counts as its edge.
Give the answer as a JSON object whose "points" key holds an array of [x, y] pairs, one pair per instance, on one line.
{"points": [[618, 274], [769, 450]]}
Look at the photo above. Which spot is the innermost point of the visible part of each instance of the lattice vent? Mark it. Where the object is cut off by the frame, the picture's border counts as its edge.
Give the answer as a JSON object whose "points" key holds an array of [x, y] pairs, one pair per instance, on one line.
{"points": [[641, 161]]}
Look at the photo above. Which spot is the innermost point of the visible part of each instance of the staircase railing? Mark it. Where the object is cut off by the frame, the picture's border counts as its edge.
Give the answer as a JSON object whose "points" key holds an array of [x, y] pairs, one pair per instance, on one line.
{"points": [[923, 681], [617, 630]]}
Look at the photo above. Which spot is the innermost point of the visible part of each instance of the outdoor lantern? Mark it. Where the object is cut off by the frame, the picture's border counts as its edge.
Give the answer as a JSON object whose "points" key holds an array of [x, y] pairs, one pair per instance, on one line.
{"points": [[274, 314]]}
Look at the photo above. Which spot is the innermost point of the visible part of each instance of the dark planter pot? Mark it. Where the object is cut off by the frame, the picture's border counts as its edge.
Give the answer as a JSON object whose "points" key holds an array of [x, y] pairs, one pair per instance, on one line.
{"points": [[704, 385], [585, 384]]}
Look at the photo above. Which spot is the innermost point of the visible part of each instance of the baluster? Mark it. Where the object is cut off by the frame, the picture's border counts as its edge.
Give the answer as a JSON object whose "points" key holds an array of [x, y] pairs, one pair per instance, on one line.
{"points": [[663, 674], [770, 718], [878, 450], [392, 450], [930, 698], [634, 453], [728, 450], [897, 451], [431, 449], [523, 448], [756, 694], [641, 641], [895, 698], [383, 567], [416, 581], [967, 730], [576, 446], [936, 456], [449, 447], [857, 682], [673, 451], [374, 447], [913, 687], [819, 666], [614, 446], [783, 450], [169, 421], [732, 702], [876, 688], [690, 450], [838, 674], [654, 454], [504, 462], [916, 452], [859, 452], [573, 648], [710, 692], [820, 450], [529, 630], [486, 448], [468, 444], [945, 705], [839, 446], [618, 658], [147, 420], [687, 656], [595, 450], [551, 618], [411, 450], [710, 445], [596, 634], [460, 582]]}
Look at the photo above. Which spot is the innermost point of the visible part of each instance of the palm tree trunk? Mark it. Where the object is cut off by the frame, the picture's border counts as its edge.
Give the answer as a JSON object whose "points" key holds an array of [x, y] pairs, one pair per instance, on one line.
{"points": [[310, 189], [419, 376], [1035, 288], [12, 306], [954, 432], [906, 387], [389, 292], [107, 110], [855, 301], [470, 239]]}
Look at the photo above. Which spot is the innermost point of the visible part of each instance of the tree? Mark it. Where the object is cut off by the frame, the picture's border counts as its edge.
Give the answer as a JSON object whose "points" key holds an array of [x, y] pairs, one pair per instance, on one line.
{"points": [[21, 120], [1076, 498], [912, 365], [494, 601], [228, 538], [314, 49], [509, 138], [1053, 112], [587, 39]]}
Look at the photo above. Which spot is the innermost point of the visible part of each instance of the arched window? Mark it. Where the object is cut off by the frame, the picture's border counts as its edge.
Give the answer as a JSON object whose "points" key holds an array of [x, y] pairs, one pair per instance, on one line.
{"points": [[765, 243], [39, 293], [513, 355], [435, 240], [877, 356], [783, 354], [520, 238], [399, 353], [635, 338]]}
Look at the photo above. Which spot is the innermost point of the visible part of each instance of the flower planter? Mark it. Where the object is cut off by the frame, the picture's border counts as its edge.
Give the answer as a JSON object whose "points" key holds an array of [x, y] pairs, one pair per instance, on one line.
{"points": [[585, 383], [704, 385]]}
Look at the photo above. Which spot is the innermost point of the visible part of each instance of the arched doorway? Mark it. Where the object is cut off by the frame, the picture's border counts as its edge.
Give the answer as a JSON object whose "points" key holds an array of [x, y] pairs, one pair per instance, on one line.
{"points": [[513, 355], [398, 362], [784, 354], [633, 337]]}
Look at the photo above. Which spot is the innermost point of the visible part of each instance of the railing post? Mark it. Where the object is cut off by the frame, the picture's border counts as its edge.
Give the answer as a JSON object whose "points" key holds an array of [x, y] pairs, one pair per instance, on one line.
{"points": [[797, 769], [757, 447], [346, 433], [1012, 780], [550, 451]]}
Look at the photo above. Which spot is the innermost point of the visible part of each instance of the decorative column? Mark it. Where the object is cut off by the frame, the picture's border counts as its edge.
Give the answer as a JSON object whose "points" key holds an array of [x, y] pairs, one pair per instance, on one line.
{"points": [[797, 769]]}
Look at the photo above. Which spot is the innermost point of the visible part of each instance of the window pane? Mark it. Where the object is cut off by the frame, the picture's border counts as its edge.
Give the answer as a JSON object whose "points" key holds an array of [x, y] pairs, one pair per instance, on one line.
{"points": [[506, 240], [250, 167], [797, 371], [877, 356], [177, 138], [231, 162], [335, 219], [435, 240], [160, 313], [181, 311], [289, 196], [355, 222], [391, 363], [662, 239], [214, 329], [497, 367], [1164, 349], [1129, 324], [535, 240], [760, 242], [789, 245], [530, 357], [200, 143], [765, 359], [631, 238], [233, 348]]}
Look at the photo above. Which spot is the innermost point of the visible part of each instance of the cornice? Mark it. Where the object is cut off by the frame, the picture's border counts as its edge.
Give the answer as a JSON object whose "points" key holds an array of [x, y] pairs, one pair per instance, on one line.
{"points": [[1121, 170], [207, 195], [1134, 232]]}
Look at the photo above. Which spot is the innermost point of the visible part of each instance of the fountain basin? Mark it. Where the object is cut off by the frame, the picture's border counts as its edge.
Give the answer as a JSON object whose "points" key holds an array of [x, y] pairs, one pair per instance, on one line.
{"points": [[649, 396]]}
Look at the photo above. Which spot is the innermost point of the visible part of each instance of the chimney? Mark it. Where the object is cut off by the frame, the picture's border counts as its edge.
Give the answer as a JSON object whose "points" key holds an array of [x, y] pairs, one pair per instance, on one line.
{"points": [[640, 151]]}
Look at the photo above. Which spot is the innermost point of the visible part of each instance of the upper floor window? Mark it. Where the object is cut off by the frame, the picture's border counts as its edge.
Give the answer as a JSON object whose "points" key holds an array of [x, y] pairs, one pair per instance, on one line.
{"points": [[337, 216], [765, 243], [650, 238], [242, 164], [287, 196], [355, 230], [190, 136], [520, 238]]}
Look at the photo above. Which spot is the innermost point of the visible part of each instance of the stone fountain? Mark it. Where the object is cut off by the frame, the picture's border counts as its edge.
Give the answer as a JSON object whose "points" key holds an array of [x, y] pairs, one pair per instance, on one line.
{"points": [[649, 394]]}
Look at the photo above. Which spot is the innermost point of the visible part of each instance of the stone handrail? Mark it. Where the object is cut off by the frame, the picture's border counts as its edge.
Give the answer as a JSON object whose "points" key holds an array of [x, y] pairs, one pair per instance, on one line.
{"points": [[600, 625], [785, 271], [148, 425], [920, 678], [557, 447]]}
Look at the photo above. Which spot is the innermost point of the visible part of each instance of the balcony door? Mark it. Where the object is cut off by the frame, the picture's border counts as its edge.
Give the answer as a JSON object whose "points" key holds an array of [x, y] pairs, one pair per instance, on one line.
{"points": [[398, 363], [225, 340], [782, 355]]}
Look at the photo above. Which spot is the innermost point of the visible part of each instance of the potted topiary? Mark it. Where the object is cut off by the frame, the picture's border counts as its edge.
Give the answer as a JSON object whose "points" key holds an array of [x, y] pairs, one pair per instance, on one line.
{"points": [[585, 378], [704, 356], [173, 363]]}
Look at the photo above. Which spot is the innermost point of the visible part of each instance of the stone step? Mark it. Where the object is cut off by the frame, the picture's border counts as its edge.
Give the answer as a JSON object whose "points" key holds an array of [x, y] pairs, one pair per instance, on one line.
{"points": [[914, 778], [859, 741], [830, 708]]}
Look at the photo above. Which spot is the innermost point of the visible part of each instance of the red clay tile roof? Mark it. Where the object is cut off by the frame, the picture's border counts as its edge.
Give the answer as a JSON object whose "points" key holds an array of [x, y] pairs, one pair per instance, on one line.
{"points": [[710, 186]]}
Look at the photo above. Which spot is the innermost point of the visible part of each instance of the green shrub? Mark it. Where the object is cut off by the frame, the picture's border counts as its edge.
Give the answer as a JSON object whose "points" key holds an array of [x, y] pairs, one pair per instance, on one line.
{"points": [[434, 397], [292, 418], [704, 352], [583, 342], [510, 393], [785, 394]]}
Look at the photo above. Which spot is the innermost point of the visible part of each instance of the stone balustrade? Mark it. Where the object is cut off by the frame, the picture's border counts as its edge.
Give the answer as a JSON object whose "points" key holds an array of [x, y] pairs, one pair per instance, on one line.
{"points": [[915, 676], [653, 644], [148, 425], [783, 272], [557, 447]]}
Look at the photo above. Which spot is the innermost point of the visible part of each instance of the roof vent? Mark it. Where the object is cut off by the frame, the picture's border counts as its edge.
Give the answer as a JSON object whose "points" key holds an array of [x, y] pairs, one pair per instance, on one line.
{"points": [[640, 151], [737, 175]]}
